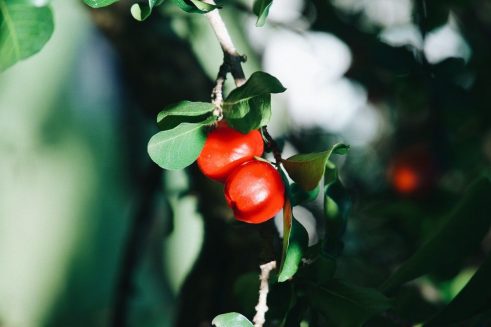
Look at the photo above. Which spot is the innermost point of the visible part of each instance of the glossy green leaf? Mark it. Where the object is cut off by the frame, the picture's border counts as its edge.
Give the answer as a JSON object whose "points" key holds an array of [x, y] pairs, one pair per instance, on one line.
{"points": [[24, 30], [307, 169], [258, 115], [261, 9], [179, 147], [248, 107], [346, 305], [99, 3], [473, 299], [141, 11], [295, 241], [260, 83], [182, 112], [460, 234], [231, 319], [299, 195], [195, 6]]}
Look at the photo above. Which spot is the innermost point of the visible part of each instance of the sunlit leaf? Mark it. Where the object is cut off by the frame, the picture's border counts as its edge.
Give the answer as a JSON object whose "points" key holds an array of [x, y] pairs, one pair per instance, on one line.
{"points": [[184, 111], [261, 9], [346, 305], [258, 115], [99, 3], [231, 319], [179, 147], [295, 241], [141, 11], [460, 234], [248, 107], [307, 169], [195, 6], [24, 30]]}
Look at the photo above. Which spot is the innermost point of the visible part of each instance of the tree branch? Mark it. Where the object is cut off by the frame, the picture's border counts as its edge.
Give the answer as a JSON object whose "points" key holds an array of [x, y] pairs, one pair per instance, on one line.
{"points": [[262, 306], [217, 92], [231, 58]]}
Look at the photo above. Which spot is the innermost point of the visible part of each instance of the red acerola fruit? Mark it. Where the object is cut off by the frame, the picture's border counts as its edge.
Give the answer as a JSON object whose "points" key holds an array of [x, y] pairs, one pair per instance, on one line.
{"points": [[225, 149], [413, 171], [255, 192]]}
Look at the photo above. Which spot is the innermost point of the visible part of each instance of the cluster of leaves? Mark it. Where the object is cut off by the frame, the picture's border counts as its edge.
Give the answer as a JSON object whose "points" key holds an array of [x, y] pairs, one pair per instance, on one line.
{"points": [[183, 125], [27, 25], [141, 10]]}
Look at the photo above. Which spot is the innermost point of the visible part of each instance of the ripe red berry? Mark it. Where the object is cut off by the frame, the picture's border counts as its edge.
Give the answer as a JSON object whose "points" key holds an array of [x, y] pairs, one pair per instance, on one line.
{"points": [[255, 192], [413, 171], [225, 149]]}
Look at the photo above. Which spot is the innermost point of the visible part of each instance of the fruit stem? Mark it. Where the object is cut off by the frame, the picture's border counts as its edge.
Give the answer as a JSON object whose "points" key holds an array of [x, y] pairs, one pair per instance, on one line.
{"points": [[273, 146]]}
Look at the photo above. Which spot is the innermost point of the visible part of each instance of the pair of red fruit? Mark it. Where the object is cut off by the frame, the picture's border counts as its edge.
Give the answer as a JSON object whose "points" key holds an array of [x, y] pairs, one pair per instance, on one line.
{"points": [[253, 188]]}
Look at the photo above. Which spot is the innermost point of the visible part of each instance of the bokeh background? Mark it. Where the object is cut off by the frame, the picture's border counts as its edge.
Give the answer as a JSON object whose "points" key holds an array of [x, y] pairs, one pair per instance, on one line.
{"points": [[90, 228]]}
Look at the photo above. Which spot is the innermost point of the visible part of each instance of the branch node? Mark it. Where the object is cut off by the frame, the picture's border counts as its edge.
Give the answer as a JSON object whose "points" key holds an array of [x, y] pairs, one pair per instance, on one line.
{"points": [[231, 56]]}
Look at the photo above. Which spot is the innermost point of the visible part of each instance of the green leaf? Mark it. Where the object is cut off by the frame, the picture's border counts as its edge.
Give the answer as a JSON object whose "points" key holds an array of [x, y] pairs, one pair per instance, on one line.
{"points": [[231, 319], [24, 30], [307, 169], [179, 147], [236, 105], [261, 9], [182, 112], [195, 6], [99, 3], [295, 241], [473, 299], [346, 305], [141, 11], [248, 107], [258, 116], [300, 196], [460, 234]]}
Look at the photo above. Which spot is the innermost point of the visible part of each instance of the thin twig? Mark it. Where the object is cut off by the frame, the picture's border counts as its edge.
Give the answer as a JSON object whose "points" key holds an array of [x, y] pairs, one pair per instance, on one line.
{"points": [[217, 92], [230, 55], [273, 146], [262, 305]]}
